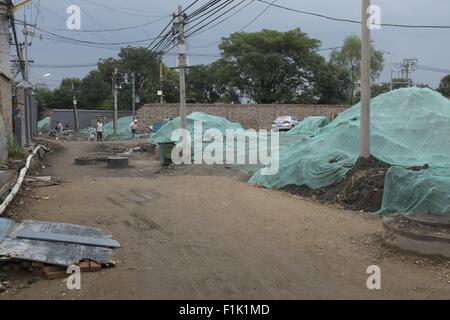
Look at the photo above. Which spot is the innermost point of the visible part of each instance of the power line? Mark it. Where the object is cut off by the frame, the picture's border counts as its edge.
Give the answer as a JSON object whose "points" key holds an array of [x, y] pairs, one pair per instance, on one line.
{"points": [[199, 31], [357, 21], [92, 42], [103, 30], [259, 15], [432, 69], [111, 8]]}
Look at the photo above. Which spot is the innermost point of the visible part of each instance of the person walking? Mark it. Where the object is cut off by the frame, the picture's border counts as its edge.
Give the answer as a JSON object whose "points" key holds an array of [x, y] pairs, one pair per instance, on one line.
{"points": [[99, 130], [134, 128]]}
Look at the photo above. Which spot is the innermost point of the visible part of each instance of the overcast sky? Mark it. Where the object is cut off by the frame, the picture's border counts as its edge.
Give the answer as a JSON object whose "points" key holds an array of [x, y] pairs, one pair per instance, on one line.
{"points": [[430, 46]]}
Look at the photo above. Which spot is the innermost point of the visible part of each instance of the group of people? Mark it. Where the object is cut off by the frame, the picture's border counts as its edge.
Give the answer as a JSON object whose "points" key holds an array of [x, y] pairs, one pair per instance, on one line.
{"points": [[134, 128]]}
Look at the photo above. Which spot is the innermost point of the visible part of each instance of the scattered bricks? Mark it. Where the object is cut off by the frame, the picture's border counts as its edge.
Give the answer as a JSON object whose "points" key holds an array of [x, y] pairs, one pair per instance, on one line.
{"points": [[84, 266], [56, 272], [36, 264], [94, 266], [51, 268], [54, 275], [37, 273]]}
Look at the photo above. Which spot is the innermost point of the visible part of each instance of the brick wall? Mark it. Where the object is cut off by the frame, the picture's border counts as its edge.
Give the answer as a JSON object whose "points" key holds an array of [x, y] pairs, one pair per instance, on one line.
{"points": [[257, 116]]}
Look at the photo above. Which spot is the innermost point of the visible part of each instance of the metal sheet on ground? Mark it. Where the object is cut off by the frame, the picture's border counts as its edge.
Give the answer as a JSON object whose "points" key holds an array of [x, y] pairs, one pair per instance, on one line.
{"points": [[58, 253], [59, 237], [4, 227]]}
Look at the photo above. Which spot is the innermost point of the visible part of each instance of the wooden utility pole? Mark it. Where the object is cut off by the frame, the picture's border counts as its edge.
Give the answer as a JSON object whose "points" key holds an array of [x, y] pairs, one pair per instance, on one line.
{"points": [[133, 94], [161, 80], [75, 111], [182, 66], [25, 36], [115, 87], [365, 81]]}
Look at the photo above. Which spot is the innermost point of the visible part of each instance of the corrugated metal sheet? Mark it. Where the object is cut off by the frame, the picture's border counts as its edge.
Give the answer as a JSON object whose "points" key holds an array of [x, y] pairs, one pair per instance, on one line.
{"points": [[5, 224], [51, 252]]}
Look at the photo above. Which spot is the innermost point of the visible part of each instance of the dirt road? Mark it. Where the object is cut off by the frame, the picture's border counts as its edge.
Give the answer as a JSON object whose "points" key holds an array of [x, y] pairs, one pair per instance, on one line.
{"points": [[204, 233]]}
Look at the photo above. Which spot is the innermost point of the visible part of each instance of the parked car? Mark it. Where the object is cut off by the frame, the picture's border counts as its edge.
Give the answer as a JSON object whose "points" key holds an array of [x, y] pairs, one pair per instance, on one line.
{"points": [[284, 123]]}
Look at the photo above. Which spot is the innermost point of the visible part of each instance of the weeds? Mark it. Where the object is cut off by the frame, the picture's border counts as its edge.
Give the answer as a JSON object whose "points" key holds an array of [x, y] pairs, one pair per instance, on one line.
{"points": [[15, 151]]}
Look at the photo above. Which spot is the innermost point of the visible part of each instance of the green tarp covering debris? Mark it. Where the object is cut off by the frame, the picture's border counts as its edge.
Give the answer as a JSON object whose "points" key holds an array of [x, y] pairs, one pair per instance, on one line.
{"points": [[123, 130], [208, 122], [44, 125], [262, 143], [409, 127], [308, 126]]}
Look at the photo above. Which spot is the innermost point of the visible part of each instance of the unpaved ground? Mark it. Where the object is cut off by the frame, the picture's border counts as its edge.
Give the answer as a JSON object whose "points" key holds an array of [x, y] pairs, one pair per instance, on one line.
{"points": [[204, 233]]}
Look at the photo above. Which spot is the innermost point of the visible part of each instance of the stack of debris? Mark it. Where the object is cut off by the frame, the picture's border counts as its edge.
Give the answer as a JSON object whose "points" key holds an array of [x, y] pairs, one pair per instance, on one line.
{"points": [[409, 130], [53, 247]]}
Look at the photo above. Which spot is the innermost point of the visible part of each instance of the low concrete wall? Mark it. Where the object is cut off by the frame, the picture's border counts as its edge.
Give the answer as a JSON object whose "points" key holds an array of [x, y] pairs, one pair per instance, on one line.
{"points": [[86, 118], [256, 116]]}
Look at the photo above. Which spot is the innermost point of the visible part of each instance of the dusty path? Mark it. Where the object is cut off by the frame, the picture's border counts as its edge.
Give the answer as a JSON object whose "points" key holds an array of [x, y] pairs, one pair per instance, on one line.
{"points": [[196, 234]]}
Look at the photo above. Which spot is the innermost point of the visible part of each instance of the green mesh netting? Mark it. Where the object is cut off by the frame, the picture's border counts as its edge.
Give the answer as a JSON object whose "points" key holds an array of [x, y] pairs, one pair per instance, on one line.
{"points": [[263, 144], [409, 127], [308, 126], [44, 125], [123, 130], [208, 122]]}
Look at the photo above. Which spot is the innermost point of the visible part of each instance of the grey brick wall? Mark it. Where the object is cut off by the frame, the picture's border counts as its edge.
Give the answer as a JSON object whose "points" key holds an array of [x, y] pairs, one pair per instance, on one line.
{"points": [[256, 116]]}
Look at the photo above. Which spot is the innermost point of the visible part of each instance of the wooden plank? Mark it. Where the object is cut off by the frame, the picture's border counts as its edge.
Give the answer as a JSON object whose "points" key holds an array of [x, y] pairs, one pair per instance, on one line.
{"points": [[66, 238]]}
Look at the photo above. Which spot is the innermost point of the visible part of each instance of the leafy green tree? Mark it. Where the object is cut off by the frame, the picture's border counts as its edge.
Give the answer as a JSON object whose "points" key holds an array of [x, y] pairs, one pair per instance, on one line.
{"points": [[349, 57], [271, 66], [45, 98], [332, 82], [94, 90], [444, 86], [63, 95], [211, 83]]}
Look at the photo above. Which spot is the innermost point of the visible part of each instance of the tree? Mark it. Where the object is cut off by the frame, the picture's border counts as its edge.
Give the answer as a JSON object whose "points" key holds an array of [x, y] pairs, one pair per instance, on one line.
{"points": [[349, 56], [271, 66], [94, 90], [63, 95], [332, 83], [444, 86], [45, 98], [211, 83]]}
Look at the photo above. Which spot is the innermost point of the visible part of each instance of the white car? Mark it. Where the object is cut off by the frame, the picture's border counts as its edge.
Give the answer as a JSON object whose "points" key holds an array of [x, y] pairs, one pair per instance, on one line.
{"points": [[284, 123]]}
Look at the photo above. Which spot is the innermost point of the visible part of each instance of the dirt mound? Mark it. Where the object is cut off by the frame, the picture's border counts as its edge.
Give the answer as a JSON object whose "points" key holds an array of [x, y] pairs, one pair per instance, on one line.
{"points": [[362, 189]]}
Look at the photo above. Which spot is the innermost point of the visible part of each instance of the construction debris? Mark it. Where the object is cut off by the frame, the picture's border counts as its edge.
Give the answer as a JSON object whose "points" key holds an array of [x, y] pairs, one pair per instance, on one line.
{"points": [[55, 243], [409, 129], [50, 272]]}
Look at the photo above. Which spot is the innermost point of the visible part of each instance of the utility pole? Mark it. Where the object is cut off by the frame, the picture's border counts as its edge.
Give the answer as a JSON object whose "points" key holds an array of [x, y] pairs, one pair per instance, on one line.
{"points": [[182, 67], [133, 94], [75, 111], [114, 79], [161, 80], [25, 35], [365, 81]]}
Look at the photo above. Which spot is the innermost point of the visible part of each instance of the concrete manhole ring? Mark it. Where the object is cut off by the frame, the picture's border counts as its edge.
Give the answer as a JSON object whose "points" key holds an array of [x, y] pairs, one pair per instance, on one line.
{"points": [[85, 161]]}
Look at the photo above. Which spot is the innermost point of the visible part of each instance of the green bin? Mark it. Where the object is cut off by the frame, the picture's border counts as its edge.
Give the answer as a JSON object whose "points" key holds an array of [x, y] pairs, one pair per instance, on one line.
{"points": [[165, 153]]}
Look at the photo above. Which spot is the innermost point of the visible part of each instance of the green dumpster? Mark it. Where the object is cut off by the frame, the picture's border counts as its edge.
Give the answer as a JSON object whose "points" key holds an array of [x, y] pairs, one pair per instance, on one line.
{"points": [[165, 153]]}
